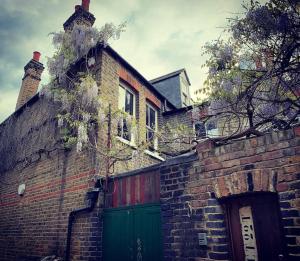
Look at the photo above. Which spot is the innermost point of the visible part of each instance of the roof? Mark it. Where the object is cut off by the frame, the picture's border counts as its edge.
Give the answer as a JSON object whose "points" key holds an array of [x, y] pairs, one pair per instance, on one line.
{"points": [[124, 62], [136, 73], [170, 75], [185, 109], [17, 112]]}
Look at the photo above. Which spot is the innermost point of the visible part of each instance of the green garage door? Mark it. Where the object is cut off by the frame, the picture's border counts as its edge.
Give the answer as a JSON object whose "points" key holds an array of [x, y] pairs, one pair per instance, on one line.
{"points": [[132, 234]]}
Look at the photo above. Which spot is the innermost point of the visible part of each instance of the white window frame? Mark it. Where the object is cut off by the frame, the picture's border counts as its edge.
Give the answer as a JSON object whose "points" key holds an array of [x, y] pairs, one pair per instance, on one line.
{"points": [[156, 125], [132, 136]]}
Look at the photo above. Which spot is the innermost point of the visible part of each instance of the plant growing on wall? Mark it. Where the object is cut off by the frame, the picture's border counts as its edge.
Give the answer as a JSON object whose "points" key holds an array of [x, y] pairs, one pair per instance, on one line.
{"points": [[81, 111], [253, 80]]}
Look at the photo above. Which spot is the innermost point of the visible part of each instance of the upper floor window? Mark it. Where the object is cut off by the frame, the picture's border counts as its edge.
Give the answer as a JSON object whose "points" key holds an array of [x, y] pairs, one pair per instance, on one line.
{"points": [[151, 126], [127, 100]]}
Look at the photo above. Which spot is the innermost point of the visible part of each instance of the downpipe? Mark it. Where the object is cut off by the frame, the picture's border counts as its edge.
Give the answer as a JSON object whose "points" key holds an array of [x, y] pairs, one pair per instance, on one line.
{"points": [[92, 197]]}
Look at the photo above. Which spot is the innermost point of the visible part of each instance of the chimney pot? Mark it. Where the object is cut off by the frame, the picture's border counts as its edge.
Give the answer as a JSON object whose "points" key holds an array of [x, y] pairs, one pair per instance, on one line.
{"points": [[36, 56], [86, 5]]}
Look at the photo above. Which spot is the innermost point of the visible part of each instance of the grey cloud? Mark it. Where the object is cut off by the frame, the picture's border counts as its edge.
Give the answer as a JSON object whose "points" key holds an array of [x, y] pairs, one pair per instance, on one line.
{"points": [[161, 35]]}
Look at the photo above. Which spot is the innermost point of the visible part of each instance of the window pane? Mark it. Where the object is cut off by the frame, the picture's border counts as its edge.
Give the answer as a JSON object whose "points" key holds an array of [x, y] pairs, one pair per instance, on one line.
{"points": [[126, 131], [120, 128], [200, 130], [126, 104], [121, 101], [147, 116], [212, 130], [211, 125], [129, 103], [151, 139], [152, 119]]}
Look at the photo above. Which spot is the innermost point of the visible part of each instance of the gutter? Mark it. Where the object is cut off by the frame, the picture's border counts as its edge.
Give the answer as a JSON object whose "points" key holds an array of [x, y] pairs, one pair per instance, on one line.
{"points": [[92, 197]]}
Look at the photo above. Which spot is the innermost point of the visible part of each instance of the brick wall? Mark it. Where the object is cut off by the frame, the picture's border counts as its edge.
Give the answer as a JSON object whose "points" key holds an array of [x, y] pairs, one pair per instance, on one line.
{"points": [[35, 224], [191, 192], [171, 121]]}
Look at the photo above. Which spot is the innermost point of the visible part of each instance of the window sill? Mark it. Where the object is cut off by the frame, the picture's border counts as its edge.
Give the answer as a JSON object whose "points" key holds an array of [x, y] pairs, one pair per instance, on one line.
{"points": [[154, 155], [127, 142]]}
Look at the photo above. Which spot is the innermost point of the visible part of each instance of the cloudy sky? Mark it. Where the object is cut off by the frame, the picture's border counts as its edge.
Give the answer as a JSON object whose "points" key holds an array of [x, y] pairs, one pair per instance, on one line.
{"points": [[161, 35]]}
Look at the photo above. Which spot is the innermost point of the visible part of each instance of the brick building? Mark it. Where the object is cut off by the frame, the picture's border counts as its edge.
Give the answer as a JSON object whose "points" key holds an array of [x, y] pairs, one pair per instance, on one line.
{"points": [[192, 207]]}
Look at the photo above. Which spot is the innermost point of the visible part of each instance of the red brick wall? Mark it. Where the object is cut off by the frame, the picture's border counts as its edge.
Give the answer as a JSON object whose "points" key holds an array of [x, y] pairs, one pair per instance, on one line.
{"points": [[190, 192], [35, 224]]}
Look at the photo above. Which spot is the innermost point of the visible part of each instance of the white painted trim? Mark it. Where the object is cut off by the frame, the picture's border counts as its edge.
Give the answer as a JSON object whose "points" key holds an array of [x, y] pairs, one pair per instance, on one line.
{"points": [[127, 142], [154, 155]]}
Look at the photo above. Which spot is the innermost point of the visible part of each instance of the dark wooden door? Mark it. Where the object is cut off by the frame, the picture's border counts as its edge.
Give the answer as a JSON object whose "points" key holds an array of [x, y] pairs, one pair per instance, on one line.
{"points": [[254, 225]]}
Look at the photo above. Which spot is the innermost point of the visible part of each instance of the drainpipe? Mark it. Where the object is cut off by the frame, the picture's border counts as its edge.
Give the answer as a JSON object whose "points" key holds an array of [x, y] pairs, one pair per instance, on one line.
{"points": [[92, 197]]}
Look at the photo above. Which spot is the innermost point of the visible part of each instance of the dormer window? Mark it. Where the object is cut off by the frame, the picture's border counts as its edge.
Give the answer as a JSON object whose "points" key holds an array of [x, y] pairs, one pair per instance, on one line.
{"points": [[151, 127], [127, 100]]}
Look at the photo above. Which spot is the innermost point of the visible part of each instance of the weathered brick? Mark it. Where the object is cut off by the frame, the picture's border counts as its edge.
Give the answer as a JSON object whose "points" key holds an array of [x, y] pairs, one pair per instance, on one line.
{"points": [[218, 256], [215, 224], [290, 213]]}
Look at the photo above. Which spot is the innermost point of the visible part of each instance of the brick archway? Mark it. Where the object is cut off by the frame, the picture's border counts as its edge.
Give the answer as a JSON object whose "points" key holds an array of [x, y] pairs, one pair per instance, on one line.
{"points": [[245, 181]]}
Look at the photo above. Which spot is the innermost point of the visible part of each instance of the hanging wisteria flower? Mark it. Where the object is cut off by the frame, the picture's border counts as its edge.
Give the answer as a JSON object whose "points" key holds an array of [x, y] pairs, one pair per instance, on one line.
{"points": [[79, 146], [82, 136], [253, 74], [88, 90], [60, 122], [46, 92], [86, 117]]}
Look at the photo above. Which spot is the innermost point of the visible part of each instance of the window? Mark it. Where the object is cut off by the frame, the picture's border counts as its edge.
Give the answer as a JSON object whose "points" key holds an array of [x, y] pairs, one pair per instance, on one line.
{"points": [[200, 130], [127, 104], [208, 129], [211, 129], [151, 126]]}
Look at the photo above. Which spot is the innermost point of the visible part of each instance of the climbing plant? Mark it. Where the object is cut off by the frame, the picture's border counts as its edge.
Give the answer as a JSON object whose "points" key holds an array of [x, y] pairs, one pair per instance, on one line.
{"points": [[81, 111], [253, 79]]}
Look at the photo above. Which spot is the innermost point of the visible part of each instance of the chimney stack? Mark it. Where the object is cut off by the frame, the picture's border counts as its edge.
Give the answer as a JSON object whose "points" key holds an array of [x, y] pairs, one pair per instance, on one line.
{"points": [[30, 82], [81, 16]]}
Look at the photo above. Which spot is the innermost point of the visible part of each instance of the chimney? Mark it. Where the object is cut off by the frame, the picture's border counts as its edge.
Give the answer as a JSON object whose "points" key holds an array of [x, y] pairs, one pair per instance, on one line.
{"points": [[81, 16], [30, 82]]}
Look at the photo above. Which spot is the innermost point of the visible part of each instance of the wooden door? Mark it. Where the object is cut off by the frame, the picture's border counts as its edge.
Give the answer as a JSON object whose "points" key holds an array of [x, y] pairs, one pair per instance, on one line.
{"points": [[132, 234], [254, 226]]}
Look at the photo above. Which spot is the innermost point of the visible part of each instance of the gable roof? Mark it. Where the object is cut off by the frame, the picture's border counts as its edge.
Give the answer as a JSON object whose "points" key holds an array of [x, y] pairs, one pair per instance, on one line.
{"points": [[170, 75], [136, 73], [121, 60]]}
